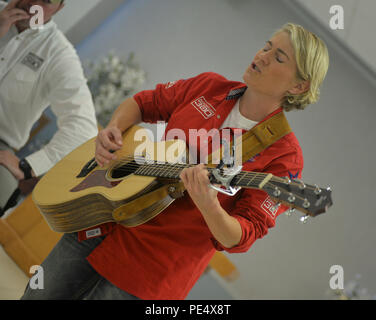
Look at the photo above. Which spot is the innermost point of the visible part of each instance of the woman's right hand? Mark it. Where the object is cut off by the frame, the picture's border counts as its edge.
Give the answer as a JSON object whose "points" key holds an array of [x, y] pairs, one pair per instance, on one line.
{"points": [[10, 15], [107, 139]]}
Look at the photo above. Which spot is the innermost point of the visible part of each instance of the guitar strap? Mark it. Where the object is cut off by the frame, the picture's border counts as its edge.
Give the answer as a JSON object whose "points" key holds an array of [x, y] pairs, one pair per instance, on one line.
{"points": [[263, 135], [252, 142], [256, 139]]}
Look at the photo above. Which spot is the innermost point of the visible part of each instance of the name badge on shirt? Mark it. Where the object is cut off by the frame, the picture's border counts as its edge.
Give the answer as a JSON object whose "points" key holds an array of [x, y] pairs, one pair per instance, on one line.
{"points": [[32, 61]]}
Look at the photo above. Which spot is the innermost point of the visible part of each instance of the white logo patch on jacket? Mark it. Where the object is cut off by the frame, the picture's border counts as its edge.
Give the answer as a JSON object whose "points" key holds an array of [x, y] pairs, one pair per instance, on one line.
{"points": [[270, 207], [204, 107]]}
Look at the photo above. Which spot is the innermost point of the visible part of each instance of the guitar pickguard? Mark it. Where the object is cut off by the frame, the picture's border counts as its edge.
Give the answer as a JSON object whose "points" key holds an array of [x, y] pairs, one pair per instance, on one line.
{"points": [[95, 179]]}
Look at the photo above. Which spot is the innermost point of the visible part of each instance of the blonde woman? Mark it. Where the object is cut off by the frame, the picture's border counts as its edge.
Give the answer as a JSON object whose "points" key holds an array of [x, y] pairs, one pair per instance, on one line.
{"points": [[163, 258]]}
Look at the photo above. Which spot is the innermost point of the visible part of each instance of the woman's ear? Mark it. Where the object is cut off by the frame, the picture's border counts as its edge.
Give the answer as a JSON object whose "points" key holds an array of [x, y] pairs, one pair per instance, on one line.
{"points": [[300, 88]]}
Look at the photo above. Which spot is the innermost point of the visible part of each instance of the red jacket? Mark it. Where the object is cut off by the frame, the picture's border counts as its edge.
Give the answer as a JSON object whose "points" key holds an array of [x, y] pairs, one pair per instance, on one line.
{"points": [[163, 258]]}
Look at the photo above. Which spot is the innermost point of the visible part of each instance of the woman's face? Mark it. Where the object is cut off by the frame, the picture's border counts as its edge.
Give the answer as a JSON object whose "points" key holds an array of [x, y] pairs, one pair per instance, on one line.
{"points": [[273, 70]]}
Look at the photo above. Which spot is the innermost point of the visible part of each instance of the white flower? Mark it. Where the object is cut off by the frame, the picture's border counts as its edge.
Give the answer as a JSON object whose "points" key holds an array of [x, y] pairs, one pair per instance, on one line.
{"points": [[111, 80]]}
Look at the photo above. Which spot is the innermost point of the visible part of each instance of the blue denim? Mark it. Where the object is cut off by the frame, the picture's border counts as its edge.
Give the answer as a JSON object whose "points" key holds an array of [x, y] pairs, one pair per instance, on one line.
{"points": [[67, 275]]}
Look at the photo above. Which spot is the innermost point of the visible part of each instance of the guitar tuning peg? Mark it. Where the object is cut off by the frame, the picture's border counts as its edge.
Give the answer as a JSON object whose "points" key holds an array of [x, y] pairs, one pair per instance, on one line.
{"points": [[304, 219], [317, 190], [306, 203], [291, 197], [302, 185], [276, 192], [290, 211]]}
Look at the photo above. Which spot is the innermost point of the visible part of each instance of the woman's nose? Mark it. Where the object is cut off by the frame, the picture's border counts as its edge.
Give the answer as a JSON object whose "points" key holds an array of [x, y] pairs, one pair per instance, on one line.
{"points": [[264, 56]]}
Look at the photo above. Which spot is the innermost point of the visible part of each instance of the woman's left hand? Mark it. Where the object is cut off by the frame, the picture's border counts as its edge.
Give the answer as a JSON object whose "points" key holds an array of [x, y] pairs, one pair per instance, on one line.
{"points": [[196, 181]]}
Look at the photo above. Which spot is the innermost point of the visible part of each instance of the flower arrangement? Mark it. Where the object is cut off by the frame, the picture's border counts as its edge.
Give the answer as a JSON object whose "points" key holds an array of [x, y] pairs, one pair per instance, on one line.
{"points": [[111, 80]]}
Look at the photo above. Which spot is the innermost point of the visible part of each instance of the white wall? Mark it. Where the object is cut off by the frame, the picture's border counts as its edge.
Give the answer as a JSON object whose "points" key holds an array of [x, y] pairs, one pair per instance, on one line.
{"points": [[174, 39], [359, 24], [79, 18], [73, 12]]}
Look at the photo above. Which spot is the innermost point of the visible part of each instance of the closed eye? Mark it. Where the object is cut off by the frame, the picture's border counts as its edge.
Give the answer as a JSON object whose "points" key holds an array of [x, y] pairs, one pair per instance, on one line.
{"points": [[276, 56]]}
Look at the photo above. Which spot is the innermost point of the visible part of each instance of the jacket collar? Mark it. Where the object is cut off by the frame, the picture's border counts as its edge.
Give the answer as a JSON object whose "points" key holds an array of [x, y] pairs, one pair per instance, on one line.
{"points": [[233, 93], [237, 91]]}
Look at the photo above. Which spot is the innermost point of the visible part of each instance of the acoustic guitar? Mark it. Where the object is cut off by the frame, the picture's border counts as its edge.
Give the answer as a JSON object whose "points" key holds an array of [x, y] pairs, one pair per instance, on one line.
{"points": [[77, 194]]}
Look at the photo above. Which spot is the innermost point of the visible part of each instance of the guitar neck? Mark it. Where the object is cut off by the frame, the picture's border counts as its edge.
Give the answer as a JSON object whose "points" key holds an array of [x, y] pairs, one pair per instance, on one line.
{"points": [[244, 179], [307, 198]]}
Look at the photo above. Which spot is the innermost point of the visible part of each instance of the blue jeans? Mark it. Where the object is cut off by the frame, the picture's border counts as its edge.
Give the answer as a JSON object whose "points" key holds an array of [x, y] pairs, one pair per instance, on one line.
{"points": [[67, 275]]}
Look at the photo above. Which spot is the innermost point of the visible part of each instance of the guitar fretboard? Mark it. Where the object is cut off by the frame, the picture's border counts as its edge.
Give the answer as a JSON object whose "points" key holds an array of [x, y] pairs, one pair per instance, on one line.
{"points": [[246, 179]]}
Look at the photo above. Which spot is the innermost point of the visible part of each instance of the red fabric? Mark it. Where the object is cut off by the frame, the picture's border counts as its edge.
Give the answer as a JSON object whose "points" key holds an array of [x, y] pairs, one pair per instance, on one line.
{"points": [[163, 258]]}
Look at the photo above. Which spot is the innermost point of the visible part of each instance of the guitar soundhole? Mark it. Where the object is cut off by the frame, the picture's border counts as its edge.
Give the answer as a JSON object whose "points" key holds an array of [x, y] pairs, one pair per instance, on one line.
{"points": [[124, 170]]}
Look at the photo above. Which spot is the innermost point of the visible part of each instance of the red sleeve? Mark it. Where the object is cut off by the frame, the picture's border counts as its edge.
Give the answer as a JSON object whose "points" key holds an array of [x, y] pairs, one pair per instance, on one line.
{"points": [[255, 210], [160, 103]]}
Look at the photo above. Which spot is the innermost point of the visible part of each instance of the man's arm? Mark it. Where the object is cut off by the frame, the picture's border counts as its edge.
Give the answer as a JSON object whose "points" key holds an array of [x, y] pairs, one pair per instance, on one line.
{"points": [[71, 102]]}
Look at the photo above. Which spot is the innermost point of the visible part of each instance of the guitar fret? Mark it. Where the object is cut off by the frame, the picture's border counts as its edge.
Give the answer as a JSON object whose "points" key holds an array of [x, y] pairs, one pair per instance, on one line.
{"points": [[172, 171], [158, 170], [178, 170], [154, 171], [148, 170], [162, 170], [250, 181], [253, 179], [168, 172], [241, 175]]}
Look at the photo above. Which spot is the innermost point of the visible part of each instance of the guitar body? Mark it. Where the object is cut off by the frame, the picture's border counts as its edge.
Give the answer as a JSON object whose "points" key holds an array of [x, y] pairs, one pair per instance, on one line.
{"points": [[112, 193]]}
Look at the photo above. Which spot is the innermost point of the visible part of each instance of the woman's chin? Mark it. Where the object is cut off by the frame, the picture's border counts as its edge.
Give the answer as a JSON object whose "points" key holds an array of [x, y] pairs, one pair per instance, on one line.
{"points": [[247, 77]]}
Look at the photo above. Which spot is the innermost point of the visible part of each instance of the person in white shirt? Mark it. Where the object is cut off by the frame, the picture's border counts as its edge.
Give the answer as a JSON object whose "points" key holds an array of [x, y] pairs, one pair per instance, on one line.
{"points": [[39, 68]]}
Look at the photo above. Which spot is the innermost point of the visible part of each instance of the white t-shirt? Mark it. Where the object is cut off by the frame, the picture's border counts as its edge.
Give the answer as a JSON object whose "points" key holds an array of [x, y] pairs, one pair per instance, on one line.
{"points": [[236, 120]]}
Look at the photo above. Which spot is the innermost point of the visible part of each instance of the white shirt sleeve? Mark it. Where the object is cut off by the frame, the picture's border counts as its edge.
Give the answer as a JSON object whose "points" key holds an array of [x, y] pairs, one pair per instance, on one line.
{"points": [[72, 103]]}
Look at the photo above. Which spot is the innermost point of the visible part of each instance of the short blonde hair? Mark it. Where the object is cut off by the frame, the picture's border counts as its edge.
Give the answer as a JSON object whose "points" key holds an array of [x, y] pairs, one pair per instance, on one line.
{"points": [[312, 59]]}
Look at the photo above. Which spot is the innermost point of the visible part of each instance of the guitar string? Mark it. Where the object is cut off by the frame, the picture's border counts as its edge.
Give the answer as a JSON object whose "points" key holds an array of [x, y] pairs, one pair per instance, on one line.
{"points": [[172, 166], [175, 166], [254, 176]]}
